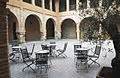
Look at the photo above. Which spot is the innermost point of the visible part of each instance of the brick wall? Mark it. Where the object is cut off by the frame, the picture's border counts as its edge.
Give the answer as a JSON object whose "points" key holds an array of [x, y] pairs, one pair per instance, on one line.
{"points": [[4, 65]]}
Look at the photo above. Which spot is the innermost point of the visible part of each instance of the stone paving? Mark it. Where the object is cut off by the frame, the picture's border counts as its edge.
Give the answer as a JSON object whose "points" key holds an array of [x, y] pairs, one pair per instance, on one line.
{"points": [[65, 67]]}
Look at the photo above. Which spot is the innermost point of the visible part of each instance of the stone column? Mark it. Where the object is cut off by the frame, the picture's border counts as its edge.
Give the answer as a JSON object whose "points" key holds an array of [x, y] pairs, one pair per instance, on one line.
{"points": [[33, 2], [58, 31], [51, 5], [67, 4], [4, 64], [57, 6], [43, 4], [21, 36], [57, 27], [21, 30], [100, 3], [77, 5], [43, 28], [88, 3], [78, 31]]}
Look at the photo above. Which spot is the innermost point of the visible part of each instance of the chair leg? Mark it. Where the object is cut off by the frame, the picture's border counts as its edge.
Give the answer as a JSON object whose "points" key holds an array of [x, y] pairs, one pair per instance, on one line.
{"points": [[50, 61], [28, 65], [94, 61], [65, 55], [54, 54], [62, 54]]}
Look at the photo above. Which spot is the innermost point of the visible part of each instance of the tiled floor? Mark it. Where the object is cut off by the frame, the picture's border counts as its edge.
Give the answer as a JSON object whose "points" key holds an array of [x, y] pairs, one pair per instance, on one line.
{"points": [[64, 67]]}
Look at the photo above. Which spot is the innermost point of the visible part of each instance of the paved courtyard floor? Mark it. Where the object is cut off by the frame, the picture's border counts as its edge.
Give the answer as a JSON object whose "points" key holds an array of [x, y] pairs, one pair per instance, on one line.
{"points": [[65, 67]]}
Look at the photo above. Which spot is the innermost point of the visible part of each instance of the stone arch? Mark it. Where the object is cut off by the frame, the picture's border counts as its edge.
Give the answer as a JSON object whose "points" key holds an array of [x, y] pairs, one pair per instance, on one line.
{"points": [[50, 29], [12, 27], [68, 29], [32, 28]]}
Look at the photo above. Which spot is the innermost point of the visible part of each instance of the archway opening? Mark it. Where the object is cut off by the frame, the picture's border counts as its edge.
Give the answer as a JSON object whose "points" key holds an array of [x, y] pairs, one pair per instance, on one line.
{"points": [[50, 33], [32, 26], [68, 29], [12, 27]]}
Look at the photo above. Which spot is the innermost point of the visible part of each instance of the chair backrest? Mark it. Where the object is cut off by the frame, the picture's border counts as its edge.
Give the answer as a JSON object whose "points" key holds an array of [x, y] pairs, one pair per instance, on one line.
{"points": [[44, 47], [33, 49], [76, 46], [25, 54], [52, 42], [65, 46], [41, 58], [53, 47], [82, 55], [97, 50], [15, 50]]}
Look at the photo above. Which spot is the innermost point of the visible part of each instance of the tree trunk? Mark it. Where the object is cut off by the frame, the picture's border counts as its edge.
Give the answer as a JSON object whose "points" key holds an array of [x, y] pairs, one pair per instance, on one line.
{"points": [[116, 61]]}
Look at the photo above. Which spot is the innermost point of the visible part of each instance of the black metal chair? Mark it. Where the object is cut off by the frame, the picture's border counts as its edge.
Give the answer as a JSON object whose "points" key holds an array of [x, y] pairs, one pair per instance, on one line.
{"points": [[44, 47], [52, 50], [12, 57], [15, 55], [61, 52], [75, 50], [27, 60], [49, 48], [52, 42], [81, 58], [42, 60], [95, 56]]}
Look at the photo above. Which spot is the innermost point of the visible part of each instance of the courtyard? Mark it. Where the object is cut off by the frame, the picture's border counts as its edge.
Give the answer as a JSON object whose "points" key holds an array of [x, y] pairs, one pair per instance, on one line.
{"points": [[64, 67]]}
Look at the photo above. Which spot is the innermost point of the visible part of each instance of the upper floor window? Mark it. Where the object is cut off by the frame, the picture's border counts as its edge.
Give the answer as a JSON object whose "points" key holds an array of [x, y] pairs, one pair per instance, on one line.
{"points": [[94, 3], [47, 4], [82, 4], [53, 5], [38, 3], [28, 1], [72, 4], [62, 6]]}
